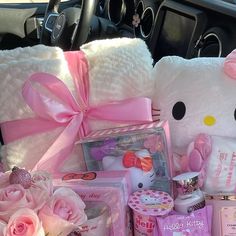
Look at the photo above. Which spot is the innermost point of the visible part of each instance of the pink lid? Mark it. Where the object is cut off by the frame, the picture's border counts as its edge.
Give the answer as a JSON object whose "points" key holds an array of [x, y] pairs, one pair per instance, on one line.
{"points": [[151, 202]]}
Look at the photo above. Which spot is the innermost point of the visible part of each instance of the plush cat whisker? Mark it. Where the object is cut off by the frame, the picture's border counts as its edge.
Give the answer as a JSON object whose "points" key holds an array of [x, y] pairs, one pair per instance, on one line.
{"points": [[154, 109]]}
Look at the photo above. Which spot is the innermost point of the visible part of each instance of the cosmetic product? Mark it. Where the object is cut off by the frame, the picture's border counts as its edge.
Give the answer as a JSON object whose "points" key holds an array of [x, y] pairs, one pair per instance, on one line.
{"points": [[189, 197], [146, 206], [224, 213]]}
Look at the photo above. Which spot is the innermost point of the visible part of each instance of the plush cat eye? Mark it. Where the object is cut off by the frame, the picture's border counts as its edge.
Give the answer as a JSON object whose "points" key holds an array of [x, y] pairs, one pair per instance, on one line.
{"points": [[179, 110]]}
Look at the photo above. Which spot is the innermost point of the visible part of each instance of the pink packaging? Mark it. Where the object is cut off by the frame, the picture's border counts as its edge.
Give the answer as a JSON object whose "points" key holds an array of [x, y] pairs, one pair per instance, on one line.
{"points": [[143, 150], [224, 214], [105, 195], [146, 205], [197, 223]]}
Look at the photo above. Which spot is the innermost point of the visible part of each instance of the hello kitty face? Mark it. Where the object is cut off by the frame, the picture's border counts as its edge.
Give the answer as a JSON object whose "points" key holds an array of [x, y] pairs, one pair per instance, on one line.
{"points": [[149, 200], [138, 163], [195, 96]]}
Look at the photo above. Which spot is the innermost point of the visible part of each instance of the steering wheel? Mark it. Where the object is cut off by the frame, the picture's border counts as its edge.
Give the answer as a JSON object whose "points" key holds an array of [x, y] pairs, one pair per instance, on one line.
{"points": [[68, 29]]}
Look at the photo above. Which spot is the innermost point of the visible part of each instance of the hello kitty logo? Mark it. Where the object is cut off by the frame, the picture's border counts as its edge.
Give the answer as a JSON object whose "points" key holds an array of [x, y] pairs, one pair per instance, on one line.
{"points": [[138, 163], [130, 159], [150, 200]]}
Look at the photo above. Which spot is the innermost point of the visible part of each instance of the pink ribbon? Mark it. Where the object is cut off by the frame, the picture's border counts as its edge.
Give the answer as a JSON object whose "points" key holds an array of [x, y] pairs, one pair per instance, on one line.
{"points": [[230, 65], [55, 106]]}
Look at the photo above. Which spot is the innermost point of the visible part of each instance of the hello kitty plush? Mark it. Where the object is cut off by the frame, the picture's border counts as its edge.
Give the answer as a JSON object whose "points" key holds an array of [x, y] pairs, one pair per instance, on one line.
{"points": [[138, 163], [196, 96], [103, 72]]}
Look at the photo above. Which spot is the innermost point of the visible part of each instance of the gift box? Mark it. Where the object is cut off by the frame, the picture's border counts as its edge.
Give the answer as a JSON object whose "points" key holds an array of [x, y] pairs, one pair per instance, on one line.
{"points": [[143, 150], [53, 98], [224, 213], [105, 194]]}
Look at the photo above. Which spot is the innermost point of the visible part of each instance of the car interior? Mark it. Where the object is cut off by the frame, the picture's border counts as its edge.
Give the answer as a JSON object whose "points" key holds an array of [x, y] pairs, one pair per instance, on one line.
{"points": [[184, 28], [189, 28]]}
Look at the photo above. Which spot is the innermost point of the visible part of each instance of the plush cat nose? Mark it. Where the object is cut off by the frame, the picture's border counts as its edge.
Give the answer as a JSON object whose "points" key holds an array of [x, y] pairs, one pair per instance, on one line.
{"points": [[209, 120]]}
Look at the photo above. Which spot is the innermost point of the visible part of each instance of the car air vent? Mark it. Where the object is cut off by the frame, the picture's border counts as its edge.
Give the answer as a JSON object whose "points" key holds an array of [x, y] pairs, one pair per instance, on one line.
{"points": [[212, 46], [116, 10], [211, 43], [147, 20]]}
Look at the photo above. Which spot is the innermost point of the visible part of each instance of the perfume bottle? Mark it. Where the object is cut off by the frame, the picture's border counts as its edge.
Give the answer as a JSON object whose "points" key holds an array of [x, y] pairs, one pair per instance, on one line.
{"points": [[190, 197]]}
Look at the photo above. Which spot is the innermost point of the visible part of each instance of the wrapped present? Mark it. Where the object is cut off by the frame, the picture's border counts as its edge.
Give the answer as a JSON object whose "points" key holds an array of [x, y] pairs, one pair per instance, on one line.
{"points": [[143, 150], [51, 99], [79, 203], [105, 194], [223, 214], [198, 222]]}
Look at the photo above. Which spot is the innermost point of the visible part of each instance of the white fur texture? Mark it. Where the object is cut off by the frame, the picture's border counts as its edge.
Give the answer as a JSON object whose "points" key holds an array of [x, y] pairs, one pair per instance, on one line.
{"points": [[16, 66], [205, 90], [118, 69]]}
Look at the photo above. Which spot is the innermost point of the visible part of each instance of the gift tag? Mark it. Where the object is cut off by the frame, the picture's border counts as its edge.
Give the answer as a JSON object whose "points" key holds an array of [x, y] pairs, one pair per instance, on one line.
{"points": [[228, 221]]}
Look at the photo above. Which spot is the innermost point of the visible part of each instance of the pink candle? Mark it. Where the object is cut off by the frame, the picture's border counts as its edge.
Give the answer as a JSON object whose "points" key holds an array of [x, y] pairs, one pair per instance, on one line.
{"points": [[146, 206]]}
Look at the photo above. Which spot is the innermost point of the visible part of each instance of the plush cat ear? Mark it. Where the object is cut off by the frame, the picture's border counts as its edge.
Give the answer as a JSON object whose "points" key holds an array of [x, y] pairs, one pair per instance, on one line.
{"points": [[230, 65]]}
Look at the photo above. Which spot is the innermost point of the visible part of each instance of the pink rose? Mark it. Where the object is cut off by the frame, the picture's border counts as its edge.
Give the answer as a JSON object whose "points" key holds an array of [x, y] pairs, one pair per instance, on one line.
{"points": [[42, 180], [4, 179], [41, 187], [24, 222], [12, 198], [63, 212]]}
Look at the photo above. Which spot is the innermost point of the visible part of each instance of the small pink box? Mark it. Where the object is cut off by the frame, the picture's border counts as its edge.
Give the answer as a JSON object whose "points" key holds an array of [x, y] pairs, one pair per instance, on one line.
{"points": [[224, 214], [105, 192], [146, 206], [116, 149]]}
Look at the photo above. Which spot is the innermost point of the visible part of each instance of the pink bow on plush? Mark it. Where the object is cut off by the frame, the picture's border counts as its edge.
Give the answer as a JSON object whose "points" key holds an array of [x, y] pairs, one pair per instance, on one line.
{"points": [[131, 160], [230, 65], [200, 152], [58, 108]]}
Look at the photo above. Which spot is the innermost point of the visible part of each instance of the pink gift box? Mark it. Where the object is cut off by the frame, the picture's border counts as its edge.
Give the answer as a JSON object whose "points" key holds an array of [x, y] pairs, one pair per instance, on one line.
{"points": [[224, 213], [147, 143], [105, 195]]}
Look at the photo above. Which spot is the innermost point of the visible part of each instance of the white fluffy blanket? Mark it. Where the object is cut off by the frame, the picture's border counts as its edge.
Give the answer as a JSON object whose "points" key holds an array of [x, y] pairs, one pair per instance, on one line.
{"points": [[118, 69]]}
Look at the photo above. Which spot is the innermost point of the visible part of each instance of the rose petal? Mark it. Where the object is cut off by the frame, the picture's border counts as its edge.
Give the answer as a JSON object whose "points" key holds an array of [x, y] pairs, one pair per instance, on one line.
{"points": [[12, 198], [63, 212], [2, 227], [54, 225], [4, 179], [41, 188]]}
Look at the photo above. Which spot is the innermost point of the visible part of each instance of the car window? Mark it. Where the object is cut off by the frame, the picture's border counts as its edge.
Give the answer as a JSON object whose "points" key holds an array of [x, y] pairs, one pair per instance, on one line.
{"points": [[27, 1]]}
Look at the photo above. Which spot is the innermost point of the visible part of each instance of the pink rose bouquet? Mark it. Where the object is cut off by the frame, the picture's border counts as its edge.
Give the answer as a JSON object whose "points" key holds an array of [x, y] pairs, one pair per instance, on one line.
{"points": [[29, 206]]}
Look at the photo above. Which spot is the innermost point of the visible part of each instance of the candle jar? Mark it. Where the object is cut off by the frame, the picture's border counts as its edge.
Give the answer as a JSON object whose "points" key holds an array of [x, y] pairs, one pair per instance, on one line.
{"points": [[146, 206], [190, 197]]}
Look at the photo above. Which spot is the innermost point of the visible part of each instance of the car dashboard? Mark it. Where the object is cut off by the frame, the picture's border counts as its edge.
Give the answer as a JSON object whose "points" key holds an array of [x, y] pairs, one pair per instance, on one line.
{"points": [[191, 28]]}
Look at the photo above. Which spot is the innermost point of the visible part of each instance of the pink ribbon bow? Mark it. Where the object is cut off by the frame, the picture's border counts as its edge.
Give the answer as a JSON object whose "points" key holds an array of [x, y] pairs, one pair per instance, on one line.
{"points": [[58, 108], [131, 160]]}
